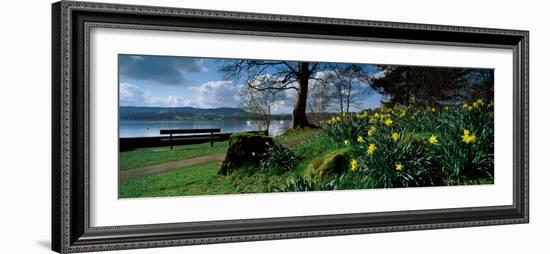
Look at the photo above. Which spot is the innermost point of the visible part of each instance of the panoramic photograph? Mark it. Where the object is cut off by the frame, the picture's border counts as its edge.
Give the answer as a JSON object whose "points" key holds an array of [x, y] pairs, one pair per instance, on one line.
{"points": [[206, 126]]}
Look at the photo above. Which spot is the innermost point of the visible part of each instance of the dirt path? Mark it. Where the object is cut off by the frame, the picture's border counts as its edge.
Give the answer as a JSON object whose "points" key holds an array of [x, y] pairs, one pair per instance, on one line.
{"points": [[170, 166]]}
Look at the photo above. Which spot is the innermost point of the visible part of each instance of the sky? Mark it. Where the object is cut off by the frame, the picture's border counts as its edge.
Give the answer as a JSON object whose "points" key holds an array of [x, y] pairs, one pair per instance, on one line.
{"points": [[168, 81]]}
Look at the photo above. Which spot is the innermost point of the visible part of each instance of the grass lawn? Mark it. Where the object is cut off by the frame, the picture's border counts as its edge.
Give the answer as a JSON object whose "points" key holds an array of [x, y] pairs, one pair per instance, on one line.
{"points": [[150, 156], [204, 179], [291, 137], [309, 151], [199, 180]]}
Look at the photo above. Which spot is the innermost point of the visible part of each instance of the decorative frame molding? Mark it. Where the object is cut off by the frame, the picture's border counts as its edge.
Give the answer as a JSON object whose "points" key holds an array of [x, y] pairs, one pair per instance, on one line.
{"points": [[71, 23]]}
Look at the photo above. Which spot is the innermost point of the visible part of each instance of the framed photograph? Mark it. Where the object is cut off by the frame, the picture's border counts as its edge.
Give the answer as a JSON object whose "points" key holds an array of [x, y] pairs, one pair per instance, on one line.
{"points": [[182, 126]]}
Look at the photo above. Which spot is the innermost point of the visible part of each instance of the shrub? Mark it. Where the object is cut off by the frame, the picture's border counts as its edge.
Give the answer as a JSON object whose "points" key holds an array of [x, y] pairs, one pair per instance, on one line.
{"points": [[277, 159]]}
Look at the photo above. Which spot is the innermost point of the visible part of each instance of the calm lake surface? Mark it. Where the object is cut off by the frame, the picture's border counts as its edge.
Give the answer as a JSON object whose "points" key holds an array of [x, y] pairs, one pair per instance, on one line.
{"points": [[131, 128]]}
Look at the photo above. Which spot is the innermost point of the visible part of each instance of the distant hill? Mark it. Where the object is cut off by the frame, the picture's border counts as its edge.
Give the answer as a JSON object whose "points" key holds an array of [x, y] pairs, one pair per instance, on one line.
{"points": [[186, 113]]}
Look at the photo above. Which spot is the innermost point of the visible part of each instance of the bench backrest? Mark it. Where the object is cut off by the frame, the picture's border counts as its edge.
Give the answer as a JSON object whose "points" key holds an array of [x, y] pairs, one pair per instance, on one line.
{"points": [[187, 131]]}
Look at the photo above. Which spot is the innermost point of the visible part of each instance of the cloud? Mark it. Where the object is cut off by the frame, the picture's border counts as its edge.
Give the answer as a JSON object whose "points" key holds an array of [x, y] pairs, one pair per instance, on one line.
{"points": [[161, 69], [216, 94], [133, 95], [285, 103], [175, 101]]}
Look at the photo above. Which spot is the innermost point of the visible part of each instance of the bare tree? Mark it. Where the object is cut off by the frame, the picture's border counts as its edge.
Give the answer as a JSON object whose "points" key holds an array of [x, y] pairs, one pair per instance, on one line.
{"points": [[279, 76], [347, 82], [260, 103], [319, 102]]}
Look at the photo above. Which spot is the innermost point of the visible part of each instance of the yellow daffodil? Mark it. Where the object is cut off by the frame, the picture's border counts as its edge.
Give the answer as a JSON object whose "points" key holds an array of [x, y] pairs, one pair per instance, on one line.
{"points": [[360, 139], [371, 131], [253, 154], [470, 108], [395, 136], [432, 140], [346, 142], [399, 167], [465, 105], [432, 109], [467, 138], [362, 115], [333, 120], [388, 122], [480, 102], [446, 108], [353, 165], [371, 149]]}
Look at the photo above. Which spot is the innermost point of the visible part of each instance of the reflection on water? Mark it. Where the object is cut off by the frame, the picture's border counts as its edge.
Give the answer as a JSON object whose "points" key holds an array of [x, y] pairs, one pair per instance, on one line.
{"points": [[152, 128]]}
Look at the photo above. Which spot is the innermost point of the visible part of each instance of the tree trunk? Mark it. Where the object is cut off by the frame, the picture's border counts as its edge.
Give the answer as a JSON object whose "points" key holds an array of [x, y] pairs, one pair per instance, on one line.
{"points": [[299, 118], [348, 98], [341, 97]]}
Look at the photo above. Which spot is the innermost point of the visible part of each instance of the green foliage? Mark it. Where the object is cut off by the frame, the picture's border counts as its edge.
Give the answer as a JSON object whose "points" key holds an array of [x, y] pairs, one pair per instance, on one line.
{"points": [[412, 146], [295, 184], [389, 148], [429, 86], [419, 166], [278, 158], [328, 166]]}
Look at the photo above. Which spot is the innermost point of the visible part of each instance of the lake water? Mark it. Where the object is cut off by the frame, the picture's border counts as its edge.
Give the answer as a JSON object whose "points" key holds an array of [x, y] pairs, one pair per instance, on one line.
{"points": [[152, 128]]}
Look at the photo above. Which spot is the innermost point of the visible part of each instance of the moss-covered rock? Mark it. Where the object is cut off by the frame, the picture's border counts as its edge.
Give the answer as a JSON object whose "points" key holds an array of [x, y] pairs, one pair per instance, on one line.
{"points": [[245, 149], [330, 165]]}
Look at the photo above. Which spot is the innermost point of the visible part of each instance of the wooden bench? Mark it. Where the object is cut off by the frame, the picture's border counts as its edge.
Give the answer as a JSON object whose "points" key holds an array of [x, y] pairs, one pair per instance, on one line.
{"points": [[171, 132]]}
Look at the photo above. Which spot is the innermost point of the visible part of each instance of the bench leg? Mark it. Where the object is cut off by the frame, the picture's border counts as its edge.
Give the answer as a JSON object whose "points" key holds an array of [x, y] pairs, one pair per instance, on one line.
{"points": [[211, 139], [171, 144]]}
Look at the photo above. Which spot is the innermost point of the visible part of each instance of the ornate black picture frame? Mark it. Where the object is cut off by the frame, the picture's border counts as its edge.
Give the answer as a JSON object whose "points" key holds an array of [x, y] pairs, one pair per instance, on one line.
{"points": [[71, 230]]}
